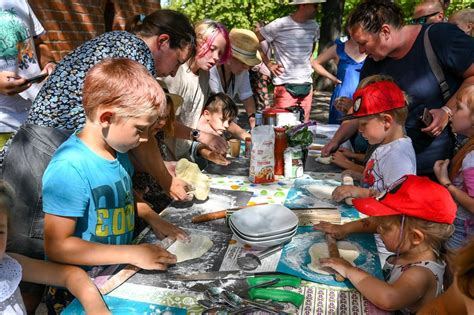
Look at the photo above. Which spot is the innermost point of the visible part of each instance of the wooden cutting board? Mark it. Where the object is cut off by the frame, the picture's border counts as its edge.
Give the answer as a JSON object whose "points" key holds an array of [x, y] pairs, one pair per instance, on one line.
{"points": [[312, 216]]}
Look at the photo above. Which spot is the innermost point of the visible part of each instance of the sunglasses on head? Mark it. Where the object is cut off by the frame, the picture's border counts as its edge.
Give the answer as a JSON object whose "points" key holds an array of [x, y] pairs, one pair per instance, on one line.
{"points": [[423, 19]]}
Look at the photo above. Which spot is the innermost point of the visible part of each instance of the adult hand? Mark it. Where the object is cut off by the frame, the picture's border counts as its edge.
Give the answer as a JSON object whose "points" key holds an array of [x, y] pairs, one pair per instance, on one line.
{"points": [[11, 83], [335, 230], [329, 147], [340, 265], [339, 159], [440, 169], [214, 142], [179, 189], [171, 167], [343, 104], [440, 121], [213, 156], [163, 228], [336, 81], [152, 257], [276, 69], [49, 68]]}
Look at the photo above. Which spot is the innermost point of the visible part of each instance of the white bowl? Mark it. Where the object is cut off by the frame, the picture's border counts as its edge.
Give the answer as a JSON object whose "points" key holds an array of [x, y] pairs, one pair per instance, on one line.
{"points": [[265, 220], [261, 238], [264, 244]]}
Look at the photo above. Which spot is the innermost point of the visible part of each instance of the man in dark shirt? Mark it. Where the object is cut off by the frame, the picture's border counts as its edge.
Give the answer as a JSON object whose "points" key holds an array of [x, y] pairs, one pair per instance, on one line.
{"points": [[397, 50]]}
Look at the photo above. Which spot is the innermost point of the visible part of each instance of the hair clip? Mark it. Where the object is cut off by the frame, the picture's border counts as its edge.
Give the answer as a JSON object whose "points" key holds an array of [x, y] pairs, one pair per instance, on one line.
{"points": [[142, 17]]}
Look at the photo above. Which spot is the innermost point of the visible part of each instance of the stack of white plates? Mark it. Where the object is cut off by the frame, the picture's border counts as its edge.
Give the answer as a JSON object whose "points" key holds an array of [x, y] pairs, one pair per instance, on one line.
{"points": [[264, 226]]}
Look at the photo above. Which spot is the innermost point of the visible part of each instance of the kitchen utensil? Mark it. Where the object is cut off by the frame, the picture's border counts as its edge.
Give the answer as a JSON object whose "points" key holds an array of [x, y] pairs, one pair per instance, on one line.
{"points": [[264, 244], [219, 214], [265, 220], [252, 261], [112, 279], [261, 238], [333, 253], [236, 301]]}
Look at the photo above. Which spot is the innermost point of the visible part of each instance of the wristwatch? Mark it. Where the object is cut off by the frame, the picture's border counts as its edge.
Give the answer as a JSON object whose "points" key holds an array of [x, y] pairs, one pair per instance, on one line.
{"points": [[194, 134]]}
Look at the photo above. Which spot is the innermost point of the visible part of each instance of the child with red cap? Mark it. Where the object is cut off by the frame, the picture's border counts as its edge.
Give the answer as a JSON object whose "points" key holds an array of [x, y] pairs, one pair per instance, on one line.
{"points": [[414, 218], [380, 108]]}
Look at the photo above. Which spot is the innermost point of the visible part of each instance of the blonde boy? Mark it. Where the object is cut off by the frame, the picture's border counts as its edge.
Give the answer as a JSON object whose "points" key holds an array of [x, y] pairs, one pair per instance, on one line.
{"points": [[87, 188], [381, 111]]}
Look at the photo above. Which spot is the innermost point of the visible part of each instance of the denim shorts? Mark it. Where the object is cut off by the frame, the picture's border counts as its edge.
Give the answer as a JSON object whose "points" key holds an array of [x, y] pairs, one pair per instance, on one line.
{"points": [[463, 231], [24, 164]]}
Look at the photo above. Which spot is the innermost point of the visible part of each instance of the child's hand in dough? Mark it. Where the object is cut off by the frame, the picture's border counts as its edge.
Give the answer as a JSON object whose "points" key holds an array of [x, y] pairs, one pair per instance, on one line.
{"points": [[339, 265], [335, 230]]}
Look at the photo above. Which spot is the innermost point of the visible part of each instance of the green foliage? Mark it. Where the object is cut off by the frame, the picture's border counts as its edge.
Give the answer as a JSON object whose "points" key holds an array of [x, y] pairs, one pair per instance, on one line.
{"points": [[236, 13]]}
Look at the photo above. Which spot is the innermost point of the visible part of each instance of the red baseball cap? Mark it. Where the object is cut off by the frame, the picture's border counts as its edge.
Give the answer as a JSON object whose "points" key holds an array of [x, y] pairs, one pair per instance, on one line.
{"points": [[413, 196], [376, 98]]}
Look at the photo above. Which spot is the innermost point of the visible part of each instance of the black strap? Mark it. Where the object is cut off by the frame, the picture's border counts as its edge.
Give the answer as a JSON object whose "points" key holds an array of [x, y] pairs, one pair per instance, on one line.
{"points": [[231, 82], [435, 66]]}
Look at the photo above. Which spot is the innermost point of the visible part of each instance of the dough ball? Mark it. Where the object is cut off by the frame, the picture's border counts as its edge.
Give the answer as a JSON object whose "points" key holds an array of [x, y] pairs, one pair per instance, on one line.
{"points": [[195, 248], [324, 160], [347, 180], [191, 174], [347, 250]]}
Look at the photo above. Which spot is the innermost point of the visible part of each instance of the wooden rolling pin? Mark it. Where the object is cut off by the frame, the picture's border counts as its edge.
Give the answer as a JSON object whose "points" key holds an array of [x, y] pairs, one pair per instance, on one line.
{"points": [[333, 253], [348, 180], [219, 214]]}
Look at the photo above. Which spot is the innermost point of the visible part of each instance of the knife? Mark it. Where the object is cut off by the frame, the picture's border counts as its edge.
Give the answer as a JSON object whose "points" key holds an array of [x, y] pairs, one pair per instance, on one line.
{"points": [[253, 279], [219, 214]]}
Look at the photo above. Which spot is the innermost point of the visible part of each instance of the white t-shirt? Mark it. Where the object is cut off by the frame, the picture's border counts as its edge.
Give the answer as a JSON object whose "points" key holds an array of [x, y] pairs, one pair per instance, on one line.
{"points": [[389, 162], [239, 87], [18, 26], [292, 43], [194, 89], [10, 296]]}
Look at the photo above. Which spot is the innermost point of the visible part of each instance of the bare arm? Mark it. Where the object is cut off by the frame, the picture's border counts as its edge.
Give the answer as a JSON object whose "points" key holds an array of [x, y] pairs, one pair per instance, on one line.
{"points": [[73, 278], [340, 231], [250, 108], [345, 131], [322, 59], [410, 288], [440, 117], [147, 158], [161, 227], [461, 197], [61, 245], [275, 69], [212, 141], [238, 131]]}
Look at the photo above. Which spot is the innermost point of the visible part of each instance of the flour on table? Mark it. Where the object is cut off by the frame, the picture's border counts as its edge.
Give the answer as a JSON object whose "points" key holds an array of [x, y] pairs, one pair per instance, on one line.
{"points": [[198, 246], [347, 250], [320, 191]]}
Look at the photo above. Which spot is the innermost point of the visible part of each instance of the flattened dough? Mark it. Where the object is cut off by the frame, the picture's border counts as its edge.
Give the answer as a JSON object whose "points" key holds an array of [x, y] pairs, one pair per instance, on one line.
{"points": [[191, 174], [324, 160], [347, 250], [320, 191], [197, 247]]}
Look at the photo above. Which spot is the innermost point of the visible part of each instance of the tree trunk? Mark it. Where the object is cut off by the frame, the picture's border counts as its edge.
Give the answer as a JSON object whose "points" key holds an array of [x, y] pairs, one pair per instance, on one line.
{"points": [[330, 29]]}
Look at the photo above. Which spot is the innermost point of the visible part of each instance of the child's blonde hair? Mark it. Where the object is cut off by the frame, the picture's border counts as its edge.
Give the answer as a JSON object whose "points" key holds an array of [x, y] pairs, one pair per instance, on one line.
{"points": [[465, 95], [6, 197], [123, 85], [399, 114], [436, 234]]}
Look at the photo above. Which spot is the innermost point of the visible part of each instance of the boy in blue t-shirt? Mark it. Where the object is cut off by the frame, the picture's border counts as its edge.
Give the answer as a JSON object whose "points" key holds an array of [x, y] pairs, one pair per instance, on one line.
{"points": [[87, 189]]}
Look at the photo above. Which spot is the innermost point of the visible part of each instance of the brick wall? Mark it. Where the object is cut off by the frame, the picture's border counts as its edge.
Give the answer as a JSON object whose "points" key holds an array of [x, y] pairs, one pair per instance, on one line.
{"points": [[68, 23]]}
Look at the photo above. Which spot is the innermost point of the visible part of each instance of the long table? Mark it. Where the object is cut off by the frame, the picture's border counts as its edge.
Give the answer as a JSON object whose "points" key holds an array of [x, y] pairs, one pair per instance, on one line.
{"points": [[230, 188]]}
